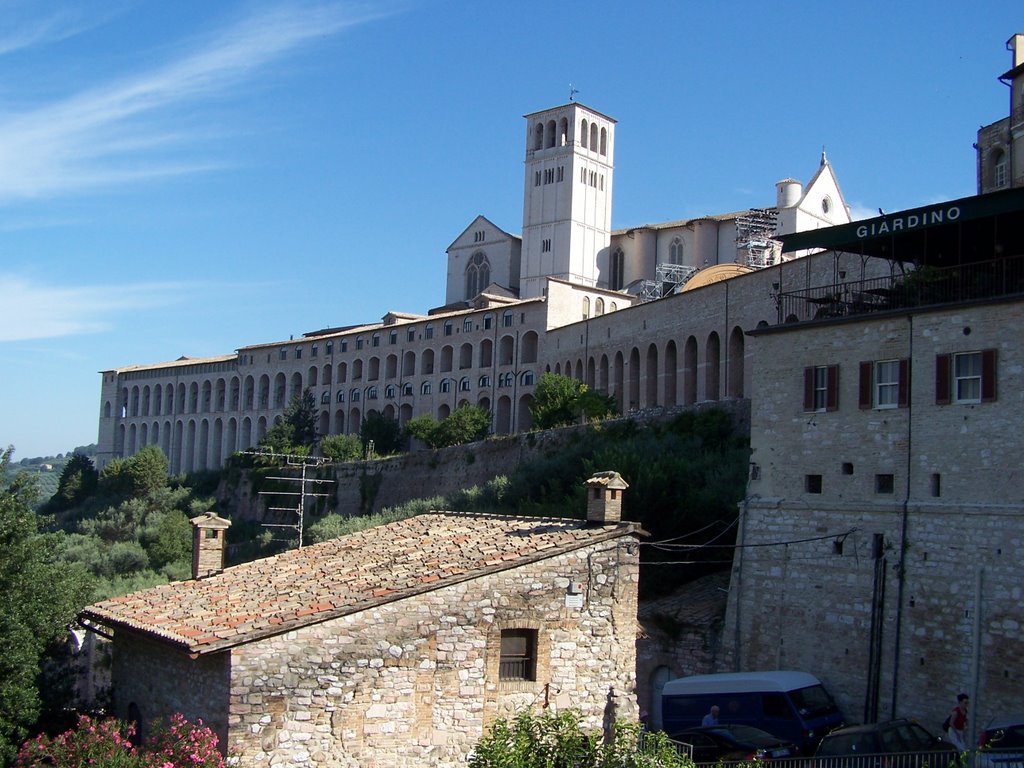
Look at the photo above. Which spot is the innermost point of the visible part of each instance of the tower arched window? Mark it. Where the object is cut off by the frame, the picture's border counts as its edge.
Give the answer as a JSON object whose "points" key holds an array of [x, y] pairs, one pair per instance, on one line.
{"points": [[617, 270], [593, 137], [675, 251], [604, 141], [599, 307], [478, 274], [584, 132], [538, 136], [586, 307]]}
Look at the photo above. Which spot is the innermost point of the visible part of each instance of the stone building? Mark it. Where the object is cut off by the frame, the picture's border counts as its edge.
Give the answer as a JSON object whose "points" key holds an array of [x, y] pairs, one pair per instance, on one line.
{"points": [[883, 529], [395, 646], [1000, 145], [494, 336]]}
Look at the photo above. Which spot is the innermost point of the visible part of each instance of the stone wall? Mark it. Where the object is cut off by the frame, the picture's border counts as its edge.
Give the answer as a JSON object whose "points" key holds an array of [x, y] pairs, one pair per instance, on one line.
{"points": [[415, 682]]}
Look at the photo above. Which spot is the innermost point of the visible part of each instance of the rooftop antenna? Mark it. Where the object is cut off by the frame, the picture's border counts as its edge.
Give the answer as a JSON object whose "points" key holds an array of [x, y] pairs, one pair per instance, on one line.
{"points": [[572, 93]]}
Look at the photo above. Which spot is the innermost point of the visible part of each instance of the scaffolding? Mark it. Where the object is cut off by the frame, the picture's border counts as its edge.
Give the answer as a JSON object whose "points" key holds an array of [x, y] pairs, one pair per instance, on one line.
{"points": [[755, 232], [668, 279]]}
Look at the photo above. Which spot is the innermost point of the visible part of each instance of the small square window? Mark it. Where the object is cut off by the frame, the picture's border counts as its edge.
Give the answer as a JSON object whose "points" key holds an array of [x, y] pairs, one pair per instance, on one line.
{"points": [[936, 484], [518, 654], [812, 483], [847, 468], [885, 484]]}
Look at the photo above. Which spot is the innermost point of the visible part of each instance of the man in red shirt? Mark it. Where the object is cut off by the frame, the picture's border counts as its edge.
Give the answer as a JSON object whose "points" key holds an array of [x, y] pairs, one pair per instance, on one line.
{"points": [[958, 723]]}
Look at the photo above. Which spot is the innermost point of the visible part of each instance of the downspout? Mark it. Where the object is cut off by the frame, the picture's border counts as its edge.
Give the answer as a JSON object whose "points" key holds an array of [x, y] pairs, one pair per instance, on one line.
{"points": [[736, 589], [902, 562]]}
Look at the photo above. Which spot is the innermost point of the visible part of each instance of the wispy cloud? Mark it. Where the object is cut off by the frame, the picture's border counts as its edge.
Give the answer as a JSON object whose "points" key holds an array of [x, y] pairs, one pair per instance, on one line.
{"points": [[118, 132], [36, 311], [41, 29]]}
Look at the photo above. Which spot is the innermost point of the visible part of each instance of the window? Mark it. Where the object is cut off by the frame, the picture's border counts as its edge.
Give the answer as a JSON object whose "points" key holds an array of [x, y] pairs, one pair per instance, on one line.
{"points": [[488, 322], [518, 654], [344, 345], [298, 352], [359, 342], [527, 378], [447, 327], [390, 391], [485, 381], [478, 274], [966, 377], [428, 332], [812, 483], [375, 340], [884, 483], [884, 384], [325, 398], [371, 393], [314, 350], [999, 169], [464, 384], [393, 337], [329, 350], [617, 267], [283, 354], [425, 388], [586, 307], [675, 251], [446, 386], [467, 325], [355, 395], [545, 245], [821, 388], [406, 389], [410, 335], [506, 319], [598, 307], [341, 396]]}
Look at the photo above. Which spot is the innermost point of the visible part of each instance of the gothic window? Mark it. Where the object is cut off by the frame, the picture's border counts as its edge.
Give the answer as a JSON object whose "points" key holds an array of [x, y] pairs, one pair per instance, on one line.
{"points": [[617, 270], [675, 251], [478, 274]]}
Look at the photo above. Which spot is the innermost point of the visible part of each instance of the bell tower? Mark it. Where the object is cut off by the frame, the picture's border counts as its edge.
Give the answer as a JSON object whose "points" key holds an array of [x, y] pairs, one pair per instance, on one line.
{"points": [[567, 197]]}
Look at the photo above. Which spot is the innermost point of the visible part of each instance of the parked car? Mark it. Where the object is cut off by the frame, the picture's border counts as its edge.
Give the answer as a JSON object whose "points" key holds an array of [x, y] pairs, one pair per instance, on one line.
{"points": [[1001, 743], [733, 743], [892, 744]]}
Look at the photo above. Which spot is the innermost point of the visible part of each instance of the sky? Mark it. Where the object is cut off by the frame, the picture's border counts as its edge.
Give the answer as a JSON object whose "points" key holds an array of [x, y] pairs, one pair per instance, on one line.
{"points": [[192, 177]]}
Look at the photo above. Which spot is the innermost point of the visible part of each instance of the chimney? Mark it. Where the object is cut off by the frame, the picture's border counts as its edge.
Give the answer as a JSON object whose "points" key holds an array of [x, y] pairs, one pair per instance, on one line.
{"points": [[604, 498], [208, 534]]}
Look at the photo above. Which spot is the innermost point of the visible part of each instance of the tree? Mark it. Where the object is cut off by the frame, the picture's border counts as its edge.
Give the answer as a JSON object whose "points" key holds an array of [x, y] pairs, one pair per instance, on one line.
{"points": [[466, 424], [137, 476], [384, 432], [340, 448], [560, 400], [295, 433], [39, 595], [77, 482]]}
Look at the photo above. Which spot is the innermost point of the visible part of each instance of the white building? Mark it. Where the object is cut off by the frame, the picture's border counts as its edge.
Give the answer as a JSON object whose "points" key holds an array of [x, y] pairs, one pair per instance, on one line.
{"points": [[514, 308]]}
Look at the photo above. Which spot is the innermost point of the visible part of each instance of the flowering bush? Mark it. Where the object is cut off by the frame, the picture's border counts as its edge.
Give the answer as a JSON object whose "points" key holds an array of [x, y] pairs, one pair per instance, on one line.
{"points": [[108, 744]]}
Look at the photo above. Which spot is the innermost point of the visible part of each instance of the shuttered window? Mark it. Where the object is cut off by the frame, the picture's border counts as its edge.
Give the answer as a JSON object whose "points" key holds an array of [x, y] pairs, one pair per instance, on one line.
{"points": [[966, 377], [821, 388]]}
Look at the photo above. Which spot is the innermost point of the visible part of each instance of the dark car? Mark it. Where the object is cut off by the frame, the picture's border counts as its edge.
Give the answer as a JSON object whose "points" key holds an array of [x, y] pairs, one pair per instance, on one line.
{"points": [[1001, 743], [893, 744], [733, 743]]}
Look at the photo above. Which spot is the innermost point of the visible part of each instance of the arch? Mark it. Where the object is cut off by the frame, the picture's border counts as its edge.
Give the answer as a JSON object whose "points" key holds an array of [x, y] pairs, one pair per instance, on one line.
{"points": [[634, 379], [188, 455], [169, 399], [206, 403], [158, 399], [279, 390], [342, 374], [133, 439], [578, 375], [486, 353], [538, 136], [586, 307], [670, 367], [584, 133], [296, 386], [503, 416], [264, 392], [466, 356], [236, 390], [427, 362], [328, 374], [563, 131], [734, 380], [651, 377], [602, 374], [389, 412], [446, 358], [594, 145], [154, 436], [409, 363], [339, 421], [357, 370], [145, 400], [220, 396], [558, 369], [712, 358], [165, 440], [106, 409], [323, 426], [216, 443], [443, 411], [527, 378], [591, 372], [178, 450], [135, 401], [528, 346], [355, 419], [506, 350], [484, 402], [391, 366], [404, 413], [231, 437], [524, 419], [245, 435], [203, 446], [599, 307], [193, 397], [604, 141], [549, 134], [312, 376], [425, 388], [478, 275], [261, 428], [690, 371], [373, 369]]}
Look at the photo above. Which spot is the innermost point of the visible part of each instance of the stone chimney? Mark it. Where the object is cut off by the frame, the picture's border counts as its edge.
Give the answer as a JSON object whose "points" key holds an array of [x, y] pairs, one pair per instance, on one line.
{"points": [[604, 498], [208, 534]]}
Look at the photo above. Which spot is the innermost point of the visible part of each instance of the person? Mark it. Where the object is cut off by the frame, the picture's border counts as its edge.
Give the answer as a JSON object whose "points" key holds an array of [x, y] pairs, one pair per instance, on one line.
{"points": [[958, 723], [711, 718]]}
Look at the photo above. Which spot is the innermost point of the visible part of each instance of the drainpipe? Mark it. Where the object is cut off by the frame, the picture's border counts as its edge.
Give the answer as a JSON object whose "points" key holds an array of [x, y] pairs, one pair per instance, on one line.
{"points": [[901, 568]]}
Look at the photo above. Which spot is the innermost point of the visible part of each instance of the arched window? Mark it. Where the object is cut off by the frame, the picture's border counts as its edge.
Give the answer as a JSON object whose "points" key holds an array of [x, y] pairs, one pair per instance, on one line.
{"points": [[604, 141], [425, 388], [999, 169], [478, 274], [538, 136], [593, 137], [406, 389], [586, 307], [464, 384], [527, 378], [584, 132], [355, 395], [389, 392], [341, 396], [617, 270], [325, 398], [446, 386], [599, 307], [371, 393], [675, 251]]}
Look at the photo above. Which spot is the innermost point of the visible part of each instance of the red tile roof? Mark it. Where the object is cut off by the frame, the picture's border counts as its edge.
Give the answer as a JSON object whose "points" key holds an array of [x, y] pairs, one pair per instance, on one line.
{"points": [[345, 575]]}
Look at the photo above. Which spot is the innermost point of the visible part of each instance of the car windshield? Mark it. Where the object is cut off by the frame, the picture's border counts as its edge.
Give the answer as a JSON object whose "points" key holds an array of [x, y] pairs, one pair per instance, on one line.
{"points": [[813, 701], [848, 744], [745, 734]]}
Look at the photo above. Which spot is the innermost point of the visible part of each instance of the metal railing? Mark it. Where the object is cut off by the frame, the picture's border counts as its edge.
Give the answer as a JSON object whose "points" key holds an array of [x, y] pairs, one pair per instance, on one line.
{"points": [[923, 287], [929, 759]]}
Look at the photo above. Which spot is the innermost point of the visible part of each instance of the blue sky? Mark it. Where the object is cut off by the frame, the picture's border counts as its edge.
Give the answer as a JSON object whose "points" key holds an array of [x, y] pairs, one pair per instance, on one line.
{"points": [[187, 178]]}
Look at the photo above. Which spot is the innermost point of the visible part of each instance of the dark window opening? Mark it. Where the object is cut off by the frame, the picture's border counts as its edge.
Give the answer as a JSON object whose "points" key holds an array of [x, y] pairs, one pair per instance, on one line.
{"points": [[518, 654]]}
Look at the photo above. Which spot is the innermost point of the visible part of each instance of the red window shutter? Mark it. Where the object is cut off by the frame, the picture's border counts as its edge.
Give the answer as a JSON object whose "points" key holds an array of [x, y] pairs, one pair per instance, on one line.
{"points": [[864, 399], [904, 384], [942, 383], [832, 388], [988, 375], [809, 389]]}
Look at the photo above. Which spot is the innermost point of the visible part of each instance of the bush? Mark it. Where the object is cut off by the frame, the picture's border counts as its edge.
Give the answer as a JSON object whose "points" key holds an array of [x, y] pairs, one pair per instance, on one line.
{"points": [[339, 448]]}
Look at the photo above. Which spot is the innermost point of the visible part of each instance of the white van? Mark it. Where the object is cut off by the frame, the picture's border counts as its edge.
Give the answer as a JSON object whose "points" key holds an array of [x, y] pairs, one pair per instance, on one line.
{"points": [[790, 705]]}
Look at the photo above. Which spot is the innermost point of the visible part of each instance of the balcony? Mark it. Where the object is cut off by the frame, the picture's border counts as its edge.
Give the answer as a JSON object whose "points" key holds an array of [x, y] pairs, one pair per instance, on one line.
{"points": [[924, 287]]}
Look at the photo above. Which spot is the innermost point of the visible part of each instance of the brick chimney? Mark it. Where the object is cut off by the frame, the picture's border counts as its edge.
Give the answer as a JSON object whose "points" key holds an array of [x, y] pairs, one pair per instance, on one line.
{"points": [[208, 534], [604, 498]]}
